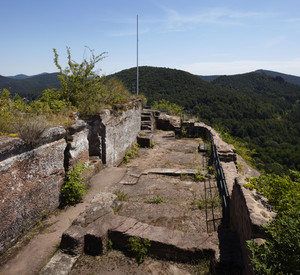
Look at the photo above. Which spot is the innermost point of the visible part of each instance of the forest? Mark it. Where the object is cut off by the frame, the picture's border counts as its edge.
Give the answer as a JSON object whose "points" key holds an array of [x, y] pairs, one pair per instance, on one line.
{"points": [[258, 109]]}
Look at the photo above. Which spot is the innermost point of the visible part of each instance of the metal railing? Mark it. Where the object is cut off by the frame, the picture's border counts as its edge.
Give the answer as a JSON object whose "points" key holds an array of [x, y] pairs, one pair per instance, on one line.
{"points": [[221, 182]]}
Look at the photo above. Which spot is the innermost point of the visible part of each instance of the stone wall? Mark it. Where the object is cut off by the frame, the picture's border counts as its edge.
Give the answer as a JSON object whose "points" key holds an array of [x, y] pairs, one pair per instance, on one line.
{"points": [[111, 134], [121, 131], [30, 183], [249, 211], [32, 177]]}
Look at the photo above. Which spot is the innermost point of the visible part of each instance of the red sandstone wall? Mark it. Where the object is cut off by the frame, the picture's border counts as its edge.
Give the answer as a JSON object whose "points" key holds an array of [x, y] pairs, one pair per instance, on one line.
{"points": [[30, 185]]}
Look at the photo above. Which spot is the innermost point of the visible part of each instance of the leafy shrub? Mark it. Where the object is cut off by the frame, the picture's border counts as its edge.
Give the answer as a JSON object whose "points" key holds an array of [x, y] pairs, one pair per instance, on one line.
{"points": [[280, 254], [11, 109], [74, 187], [138, 248], [50, 102], [84, 89], [164, 105], [281, 191]]}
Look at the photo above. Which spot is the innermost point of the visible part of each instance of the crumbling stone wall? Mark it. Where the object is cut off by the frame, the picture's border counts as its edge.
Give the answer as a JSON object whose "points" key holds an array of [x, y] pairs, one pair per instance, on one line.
{"points": [[77, 149], [32, 177], [30, 183], [121, 131], [111, 134]]}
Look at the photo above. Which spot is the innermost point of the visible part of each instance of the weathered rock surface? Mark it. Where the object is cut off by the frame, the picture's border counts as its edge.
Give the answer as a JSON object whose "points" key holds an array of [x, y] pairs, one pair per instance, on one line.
{"points": [[11, 146], [249, 211], [60, 264], [77, 149], [92, 229], [112, 134], [30, 186], [52, 134], [121, 132]]}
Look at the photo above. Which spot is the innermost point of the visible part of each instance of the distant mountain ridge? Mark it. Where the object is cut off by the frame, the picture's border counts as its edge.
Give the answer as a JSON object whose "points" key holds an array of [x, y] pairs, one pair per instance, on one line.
{"points": [[293, 79], [287, 77], [30, 86], [18, 76], [24, 76]]}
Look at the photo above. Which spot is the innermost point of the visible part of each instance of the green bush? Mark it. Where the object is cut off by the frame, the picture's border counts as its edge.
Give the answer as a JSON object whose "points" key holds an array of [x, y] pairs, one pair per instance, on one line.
{"points": [[281, 252], [199, 176], [74, 187], [11, 110], [164, 105], [50, 102], [282, 191], [138, 248], [84, 89]]}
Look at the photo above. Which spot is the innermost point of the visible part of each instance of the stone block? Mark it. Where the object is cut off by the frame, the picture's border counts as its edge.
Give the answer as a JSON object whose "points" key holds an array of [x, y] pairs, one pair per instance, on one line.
{"points": [[101, 205], [72, 241], [145, 140], [77, 149]]}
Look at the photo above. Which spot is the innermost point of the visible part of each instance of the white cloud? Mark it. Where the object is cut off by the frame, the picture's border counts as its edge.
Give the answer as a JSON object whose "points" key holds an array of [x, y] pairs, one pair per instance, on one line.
{"points": [[176, 21], [243, 66]]}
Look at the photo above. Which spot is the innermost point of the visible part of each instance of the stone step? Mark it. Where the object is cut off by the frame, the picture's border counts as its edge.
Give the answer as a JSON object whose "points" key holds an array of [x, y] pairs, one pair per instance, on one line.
{"points": [[146, 127], [146, 118], [93, 228]]}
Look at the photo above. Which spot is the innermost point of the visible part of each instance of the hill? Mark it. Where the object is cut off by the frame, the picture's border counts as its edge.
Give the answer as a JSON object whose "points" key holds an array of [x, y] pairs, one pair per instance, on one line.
{"points": [[287, 77], [162, 83], [31, 86], [280, 76], [19, 76], [258, 85], [260, 110]]}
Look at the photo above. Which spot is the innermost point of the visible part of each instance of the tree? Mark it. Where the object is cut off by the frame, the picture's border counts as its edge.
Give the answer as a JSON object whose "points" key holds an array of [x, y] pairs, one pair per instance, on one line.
{"points": [[81, 85]]}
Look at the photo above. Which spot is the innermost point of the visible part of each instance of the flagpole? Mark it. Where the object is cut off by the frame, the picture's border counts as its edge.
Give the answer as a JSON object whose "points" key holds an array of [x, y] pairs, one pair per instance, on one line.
{"points": [[137, 54]]}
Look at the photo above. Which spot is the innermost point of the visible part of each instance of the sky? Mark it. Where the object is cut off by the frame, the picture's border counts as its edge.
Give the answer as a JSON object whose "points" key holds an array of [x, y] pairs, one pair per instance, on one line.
{"points": [[203, 37]]}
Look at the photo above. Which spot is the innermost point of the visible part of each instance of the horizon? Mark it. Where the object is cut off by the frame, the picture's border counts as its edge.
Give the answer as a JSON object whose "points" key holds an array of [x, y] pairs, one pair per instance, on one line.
{"points": [[209, 38], [10, 76]]}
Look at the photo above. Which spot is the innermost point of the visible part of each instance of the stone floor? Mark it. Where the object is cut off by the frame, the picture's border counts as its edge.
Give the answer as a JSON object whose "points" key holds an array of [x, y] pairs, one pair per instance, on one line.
{"points": [[158, 197]]}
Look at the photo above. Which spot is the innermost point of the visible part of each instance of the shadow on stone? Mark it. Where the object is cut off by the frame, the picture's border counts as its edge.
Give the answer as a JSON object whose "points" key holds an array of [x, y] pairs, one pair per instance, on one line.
{"points": [[231, 261]]}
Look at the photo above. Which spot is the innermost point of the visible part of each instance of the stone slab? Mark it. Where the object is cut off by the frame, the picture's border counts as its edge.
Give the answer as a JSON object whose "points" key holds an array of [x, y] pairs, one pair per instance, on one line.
{"points": [[60, 264]]}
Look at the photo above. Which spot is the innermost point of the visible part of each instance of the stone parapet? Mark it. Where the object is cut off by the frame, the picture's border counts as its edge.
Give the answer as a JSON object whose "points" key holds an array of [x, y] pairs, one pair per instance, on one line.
{"points": [[30, 185]]}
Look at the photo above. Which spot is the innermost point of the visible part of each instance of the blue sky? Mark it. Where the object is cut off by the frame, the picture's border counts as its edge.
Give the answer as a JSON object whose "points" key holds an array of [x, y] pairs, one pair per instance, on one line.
{"points": [[202, 37]]}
